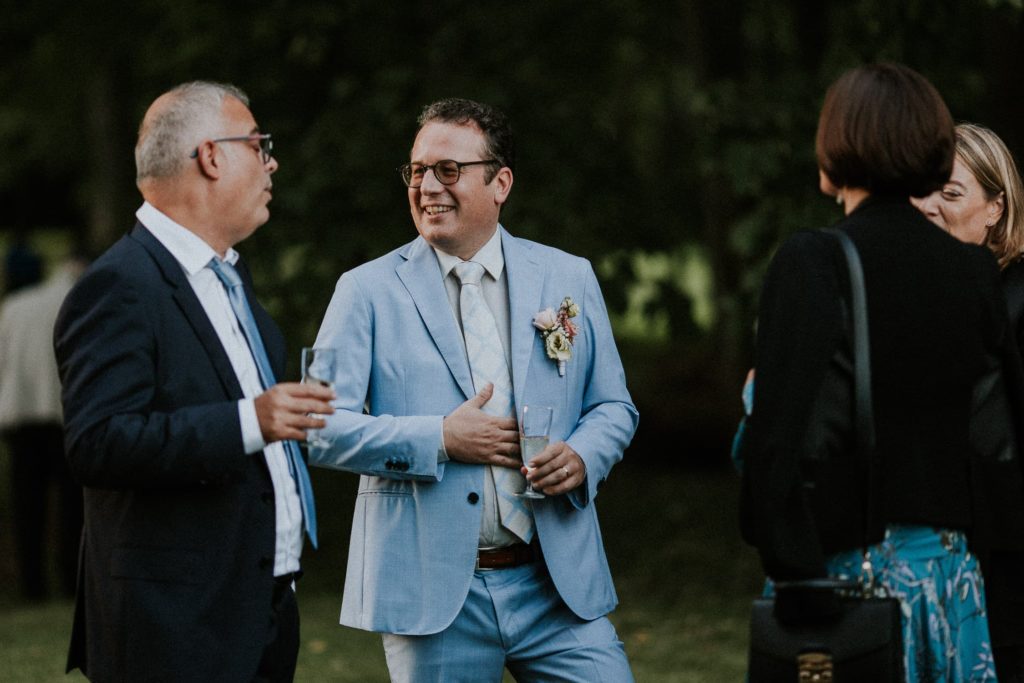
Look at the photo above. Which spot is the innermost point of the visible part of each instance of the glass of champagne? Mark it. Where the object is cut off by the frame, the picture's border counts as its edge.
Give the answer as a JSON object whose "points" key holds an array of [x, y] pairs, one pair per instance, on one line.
{"points": [[534, 432], [318, 367]]}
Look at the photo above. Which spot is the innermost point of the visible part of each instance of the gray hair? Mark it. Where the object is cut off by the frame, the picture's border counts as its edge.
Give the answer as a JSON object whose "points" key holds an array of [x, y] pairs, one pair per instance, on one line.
{"points": [[168, 137]]}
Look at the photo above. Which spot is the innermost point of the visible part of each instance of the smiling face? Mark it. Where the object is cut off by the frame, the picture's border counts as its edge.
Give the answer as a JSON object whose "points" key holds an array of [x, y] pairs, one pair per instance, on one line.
{"points": [[244, 188], [458, 218], [962, 207]]}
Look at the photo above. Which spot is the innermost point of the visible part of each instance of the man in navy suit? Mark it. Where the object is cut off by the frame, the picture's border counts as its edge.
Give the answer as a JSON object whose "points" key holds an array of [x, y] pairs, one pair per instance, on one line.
{"points": [[461, 576], [193, 520]]}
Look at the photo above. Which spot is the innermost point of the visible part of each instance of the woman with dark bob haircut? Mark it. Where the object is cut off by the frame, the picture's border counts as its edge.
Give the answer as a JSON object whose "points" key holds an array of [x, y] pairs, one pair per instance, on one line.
{"points": [[947, 485]]}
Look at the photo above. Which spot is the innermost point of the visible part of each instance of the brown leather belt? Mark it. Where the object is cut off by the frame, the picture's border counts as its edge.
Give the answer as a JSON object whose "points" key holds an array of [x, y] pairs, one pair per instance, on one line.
{"points": [[509, 556]]}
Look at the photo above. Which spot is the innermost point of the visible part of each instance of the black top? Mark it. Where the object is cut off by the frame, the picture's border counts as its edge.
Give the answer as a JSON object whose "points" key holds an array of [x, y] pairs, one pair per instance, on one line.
{"points": [[1003, 570], [1013, 286], [941, 361]]}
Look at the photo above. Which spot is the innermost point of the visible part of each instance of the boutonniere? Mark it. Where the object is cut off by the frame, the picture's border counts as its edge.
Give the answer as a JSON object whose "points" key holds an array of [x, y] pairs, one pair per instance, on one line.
{"points": [[558, 331]]}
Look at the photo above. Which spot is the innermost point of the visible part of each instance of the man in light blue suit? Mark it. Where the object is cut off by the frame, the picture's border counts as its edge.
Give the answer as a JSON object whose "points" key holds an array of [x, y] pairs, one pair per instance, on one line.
{"points": [[462, 576]]}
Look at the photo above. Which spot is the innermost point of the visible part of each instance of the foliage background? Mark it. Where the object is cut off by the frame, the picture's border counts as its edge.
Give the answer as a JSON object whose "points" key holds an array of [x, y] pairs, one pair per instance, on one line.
{"points": [[671, 142]]}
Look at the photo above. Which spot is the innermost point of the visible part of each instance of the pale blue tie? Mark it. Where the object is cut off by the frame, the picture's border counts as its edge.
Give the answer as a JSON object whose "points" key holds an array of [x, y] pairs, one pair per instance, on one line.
{"points": [[240, 305], [487, 363]]}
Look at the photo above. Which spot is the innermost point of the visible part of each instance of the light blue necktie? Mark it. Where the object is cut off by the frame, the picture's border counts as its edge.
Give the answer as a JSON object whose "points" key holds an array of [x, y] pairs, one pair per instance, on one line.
{"points": [[487, 363], [296, 465]]}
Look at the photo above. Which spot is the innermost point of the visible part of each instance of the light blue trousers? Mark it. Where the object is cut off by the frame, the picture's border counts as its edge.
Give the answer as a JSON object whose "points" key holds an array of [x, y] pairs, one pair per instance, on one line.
{"points": [[511, 618]]}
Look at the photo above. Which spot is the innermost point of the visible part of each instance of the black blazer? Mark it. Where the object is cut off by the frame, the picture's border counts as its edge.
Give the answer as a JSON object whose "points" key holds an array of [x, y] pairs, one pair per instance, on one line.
{"points": [[1003, 569], [939, 342], [176, 567]]}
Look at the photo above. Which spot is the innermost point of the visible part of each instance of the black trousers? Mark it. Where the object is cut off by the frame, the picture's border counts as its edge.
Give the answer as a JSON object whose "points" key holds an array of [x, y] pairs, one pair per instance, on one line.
{"points": [[37, 465], [1008, 664], [282, 649]]}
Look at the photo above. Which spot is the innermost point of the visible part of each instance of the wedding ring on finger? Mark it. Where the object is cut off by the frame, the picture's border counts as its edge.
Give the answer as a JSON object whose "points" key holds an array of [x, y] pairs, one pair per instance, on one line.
{"points": [[566, 470]]}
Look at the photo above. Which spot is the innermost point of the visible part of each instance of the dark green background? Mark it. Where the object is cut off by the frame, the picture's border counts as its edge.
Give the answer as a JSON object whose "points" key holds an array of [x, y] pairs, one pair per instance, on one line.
{"points": [[669, 142], [652, 134]]}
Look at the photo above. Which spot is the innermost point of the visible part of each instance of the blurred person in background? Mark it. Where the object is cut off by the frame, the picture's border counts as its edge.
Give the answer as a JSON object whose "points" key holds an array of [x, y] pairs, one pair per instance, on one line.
{"points": [[947, 478], [983, 203], [30, 422], [23, 266]]}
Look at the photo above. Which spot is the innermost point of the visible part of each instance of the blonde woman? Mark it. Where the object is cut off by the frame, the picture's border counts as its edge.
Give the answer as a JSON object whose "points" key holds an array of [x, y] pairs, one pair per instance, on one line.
{"points": [[983, 203]]}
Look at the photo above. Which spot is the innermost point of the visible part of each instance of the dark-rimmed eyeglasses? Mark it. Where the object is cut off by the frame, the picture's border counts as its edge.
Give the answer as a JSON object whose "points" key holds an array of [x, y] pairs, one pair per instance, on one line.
{"points": [[266, 144], [446, 171]]}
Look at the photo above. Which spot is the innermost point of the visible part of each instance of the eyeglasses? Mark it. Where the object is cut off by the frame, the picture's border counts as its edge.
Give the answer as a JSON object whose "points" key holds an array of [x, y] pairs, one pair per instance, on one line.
{"points": [[446, 171], [266, 144]]}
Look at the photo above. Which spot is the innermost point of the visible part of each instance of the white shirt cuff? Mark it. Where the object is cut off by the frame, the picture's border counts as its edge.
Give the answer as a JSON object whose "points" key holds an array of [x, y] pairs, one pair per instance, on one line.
{"points": [[442, 453], [252, 435]]}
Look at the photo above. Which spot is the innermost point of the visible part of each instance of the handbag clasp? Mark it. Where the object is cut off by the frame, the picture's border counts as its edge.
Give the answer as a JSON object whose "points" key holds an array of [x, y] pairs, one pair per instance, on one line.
{"points": [[814, 667]]}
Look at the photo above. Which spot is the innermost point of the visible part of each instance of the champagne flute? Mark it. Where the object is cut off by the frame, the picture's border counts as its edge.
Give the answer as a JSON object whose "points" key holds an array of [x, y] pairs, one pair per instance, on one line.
{"points": [[534, 432], [318, 367]]}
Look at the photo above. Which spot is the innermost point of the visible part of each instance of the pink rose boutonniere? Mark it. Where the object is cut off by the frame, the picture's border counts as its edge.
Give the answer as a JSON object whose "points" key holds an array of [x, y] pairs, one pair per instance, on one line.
{"points": [[558, 331]]}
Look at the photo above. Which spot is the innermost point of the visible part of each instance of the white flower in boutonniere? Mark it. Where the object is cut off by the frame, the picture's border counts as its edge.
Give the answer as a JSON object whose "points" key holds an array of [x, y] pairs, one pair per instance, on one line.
{"points": [[558, 331]]}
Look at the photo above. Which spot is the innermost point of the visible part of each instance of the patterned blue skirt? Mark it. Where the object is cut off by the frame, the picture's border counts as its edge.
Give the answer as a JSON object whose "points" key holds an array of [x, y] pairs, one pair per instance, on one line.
{"points": [[942, 595]]}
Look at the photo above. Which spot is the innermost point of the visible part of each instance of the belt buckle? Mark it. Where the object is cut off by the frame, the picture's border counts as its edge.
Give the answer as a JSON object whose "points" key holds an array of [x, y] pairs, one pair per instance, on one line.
{"points": [[477, 560]]}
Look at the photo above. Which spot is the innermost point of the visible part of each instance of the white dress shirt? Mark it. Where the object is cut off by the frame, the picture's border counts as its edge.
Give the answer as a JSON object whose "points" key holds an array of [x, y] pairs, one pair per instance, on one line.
{"points": [[193, 255], [494, 286]]}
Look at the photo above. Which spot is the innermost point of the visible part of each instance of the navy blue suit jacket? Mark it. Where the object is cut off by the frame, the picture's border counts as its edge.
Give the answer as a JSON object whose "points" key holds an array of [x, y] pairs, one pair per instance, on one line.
{"points": [[176, 567]]}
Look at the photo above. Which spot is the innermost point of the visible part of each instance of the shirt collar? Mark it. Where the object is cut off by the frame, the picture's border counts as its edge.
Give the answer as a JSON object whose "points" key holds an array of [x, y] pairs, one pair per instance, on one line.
{"points": [[188, 248], [489, 256]]}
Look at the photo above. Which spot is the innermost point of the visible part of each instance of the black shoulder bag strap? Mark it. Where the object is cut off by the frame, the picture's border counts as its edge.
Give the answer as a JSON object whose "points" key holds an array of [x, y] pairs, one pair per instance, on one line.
{"points": [[863, 413], [864, 418]]}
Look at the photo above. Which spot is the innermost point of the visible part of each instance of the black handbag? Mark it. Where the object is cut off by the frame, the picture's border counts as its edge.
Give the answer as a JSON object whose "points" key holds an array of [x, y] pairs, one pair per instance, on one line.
{"points": [[859, 636]]}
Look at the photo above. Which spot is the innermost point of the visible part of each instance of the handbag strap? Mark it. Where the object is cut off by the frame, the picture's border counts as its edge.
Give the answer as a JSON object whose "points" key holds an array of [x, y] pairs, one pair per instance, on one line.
{"points": [[863, 414], [864, 418]]}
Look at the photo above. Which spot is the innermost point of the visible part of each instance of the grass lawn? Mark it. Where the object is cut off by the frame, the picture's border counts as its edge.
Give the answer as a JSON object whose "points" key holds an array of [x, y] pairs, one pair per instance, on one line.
{"points": [[685, 581]]}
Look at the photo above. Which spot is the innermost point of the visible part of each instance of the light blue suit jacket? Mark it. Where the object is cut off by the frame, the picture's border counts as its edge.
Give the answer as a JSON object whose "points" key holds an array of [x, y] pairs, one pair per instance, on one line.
{"points": [[402, 367]]}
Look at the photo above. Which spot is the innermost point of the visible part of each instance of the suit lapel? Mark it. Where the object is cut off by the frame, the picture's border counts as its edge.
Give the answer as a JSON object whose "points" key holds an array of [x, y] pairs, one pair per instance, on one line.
{"points": [[193, 311], [525, 275], [421, 275]]}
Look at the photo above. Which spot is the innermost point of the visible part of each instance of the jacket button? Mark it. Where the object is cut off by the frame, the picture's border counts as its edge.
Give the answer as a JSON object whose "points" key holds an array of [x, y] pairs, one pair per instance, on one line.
{"points": [[267, 497], [265, 562], [473, 498]]}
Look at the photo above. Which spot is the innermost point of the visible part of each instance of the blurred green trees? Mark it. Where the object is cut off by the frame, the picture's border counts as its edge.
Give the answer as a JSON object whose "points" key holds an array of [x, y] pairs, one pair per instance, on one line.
{"points": [[669, 142]]}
